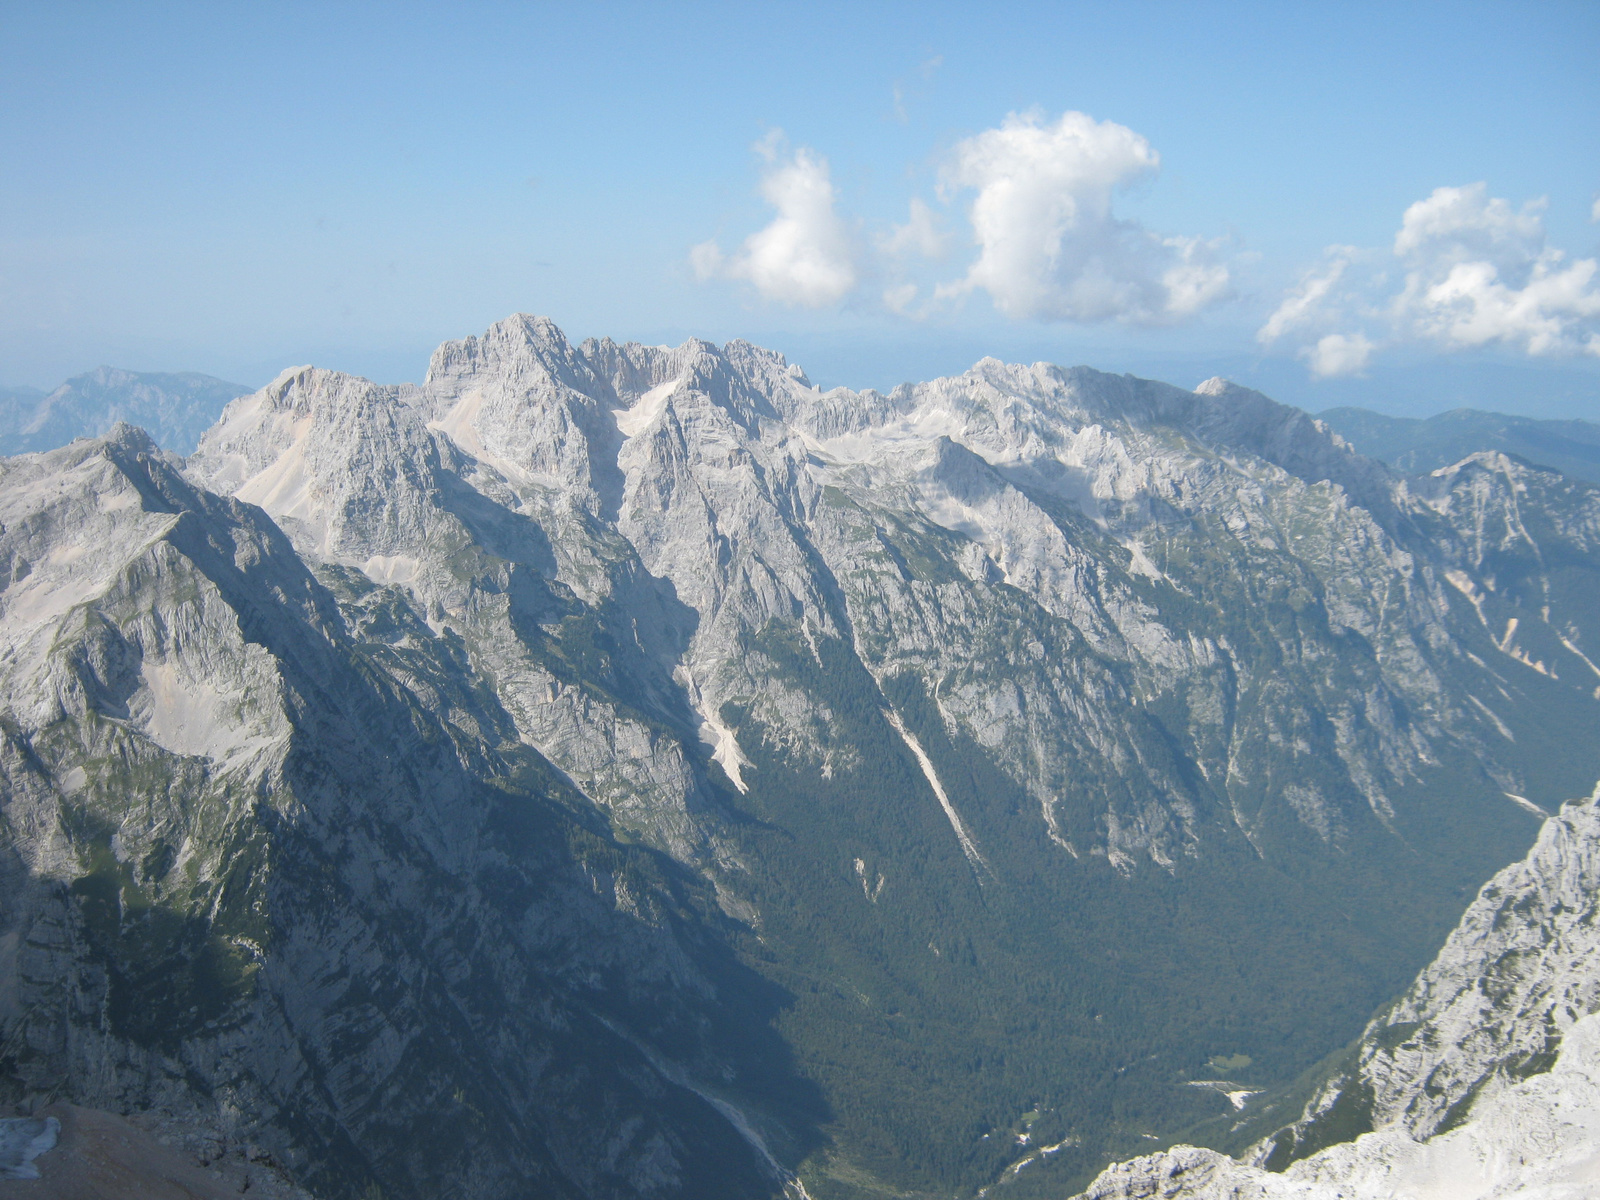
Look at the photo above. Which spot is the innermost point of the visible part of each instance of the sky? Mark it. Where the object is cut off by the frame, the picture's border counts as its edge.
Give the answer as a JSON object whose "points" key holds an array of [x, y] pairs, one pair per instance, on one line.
{"points": [[1394, 205]]}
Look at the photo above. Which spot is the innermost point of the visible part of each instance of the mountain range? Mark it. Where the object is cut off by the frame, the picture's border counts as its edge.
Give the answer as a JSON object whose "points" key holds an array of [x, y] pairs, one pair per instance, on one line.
{"points": [[612, 770], [1419, 446], [174, 408]]}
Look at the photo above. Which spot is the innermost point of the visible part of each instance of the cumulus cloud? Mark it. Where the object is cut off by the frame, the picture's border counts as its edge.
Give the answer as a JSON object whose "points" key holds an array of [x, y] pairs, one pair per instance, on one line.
{"points": [[1195, 278], [1474, 272], [1479, 272], [1304, 303], [805, 256], [1050, 245], [1338, 354]]}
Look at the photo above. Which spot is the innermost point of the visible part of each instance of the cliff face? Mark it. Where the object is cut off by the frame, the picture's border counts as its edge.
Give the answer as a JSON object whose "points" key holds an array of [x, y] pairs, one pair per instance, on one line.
{"points": [[283, 864], [633, 770]]}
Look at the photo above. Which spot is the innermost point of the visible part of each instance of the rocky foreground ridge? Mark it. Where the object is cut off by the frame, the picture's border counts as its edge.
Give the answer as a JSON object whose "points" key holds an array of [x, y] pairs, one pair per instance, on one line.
{"points": [[1482, 1081], [618, 770]]}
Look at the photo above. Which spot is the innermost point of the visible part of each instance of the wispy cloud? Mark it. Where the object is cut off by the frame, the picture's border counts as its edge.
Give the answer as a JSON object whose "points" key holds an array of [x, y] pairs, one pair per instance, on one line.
{"points": [[926, 69], [1303, 302], [923, 234]]}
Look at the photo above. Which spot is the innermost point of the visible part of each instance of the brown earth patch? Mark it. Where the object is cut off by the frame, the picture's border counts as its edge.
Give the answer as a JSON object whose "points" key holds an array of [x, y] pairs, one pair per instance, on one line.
{"points": [[101, 1156]]}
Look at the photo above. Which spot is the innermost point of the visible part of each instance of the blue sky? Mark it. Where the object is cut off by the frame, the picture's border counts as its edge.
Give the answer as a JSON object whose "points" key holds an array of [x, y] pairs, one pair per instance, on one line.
{"points": [[881, 191]]}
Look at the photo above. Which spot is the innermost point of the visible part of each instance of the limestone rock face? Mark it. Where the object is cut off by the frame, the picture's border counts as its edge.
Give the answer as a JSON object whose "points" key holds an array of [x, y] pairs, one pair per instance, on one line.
{"points": [[637, 770], [309, 886], [718, 496]]}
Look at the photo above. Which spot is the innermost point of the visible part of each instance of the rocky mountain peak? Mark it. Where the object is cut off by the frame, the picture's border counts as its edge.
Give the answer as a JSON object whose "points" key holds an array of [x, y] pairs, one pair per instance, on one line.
{"points": [[525, 355]]}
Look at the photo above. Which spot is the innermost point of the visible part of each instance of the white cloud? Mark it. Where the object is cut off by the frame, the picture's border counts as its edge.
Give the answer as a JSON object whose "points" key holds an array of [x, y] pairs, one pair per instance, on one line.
{"points": [[805, 256], [1475, 272], [706, 259], [1554, 311], [921, 234], [1479, 273], [769, 144], [1465, 223], [1338, 354], [1195, 279], [1050, 245], [1302, 304], [926, 70], [1594, 213], [897, 298]]}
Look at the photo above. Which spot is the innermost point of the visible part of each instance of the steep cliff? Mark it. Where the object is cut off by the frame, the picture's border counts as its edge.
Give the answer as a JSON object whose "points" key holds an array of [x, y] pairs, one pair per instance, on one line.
{"points": [[285, 866]]}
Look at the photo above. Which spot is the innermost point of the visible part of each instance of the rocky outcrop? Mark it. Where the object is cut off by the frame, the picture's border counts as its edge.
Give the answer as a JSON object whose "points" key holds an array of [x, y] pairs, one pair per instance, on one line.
{"points": [[1483, 1080]]}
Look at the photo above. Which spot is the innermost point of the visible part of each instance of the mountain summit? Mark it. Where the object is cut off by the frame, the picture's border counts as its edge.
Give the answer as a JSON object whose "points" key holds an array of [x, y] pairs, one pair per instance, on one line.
{"points": [[614, 770]]}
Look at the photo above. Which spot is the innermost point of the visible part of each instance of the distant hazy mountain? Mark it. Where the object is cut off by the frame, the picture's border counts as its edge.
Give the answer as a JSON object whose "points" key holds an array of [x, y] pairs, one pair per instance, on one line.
{"points": [[1419, 446], [20, 395], [174, 409], [611, 771]]}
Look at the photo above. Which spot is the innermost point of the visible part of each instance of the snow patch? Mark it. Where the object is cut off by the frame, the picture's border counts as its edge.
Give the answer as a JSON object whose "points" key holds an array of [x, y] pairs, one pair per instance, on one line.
{"points": [[870, 888], [869, 446], [1524, 803], [631, 422], [1574, 649], [1462, 582], [1490, 713], [1237, 1096], [23, 1139]]}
